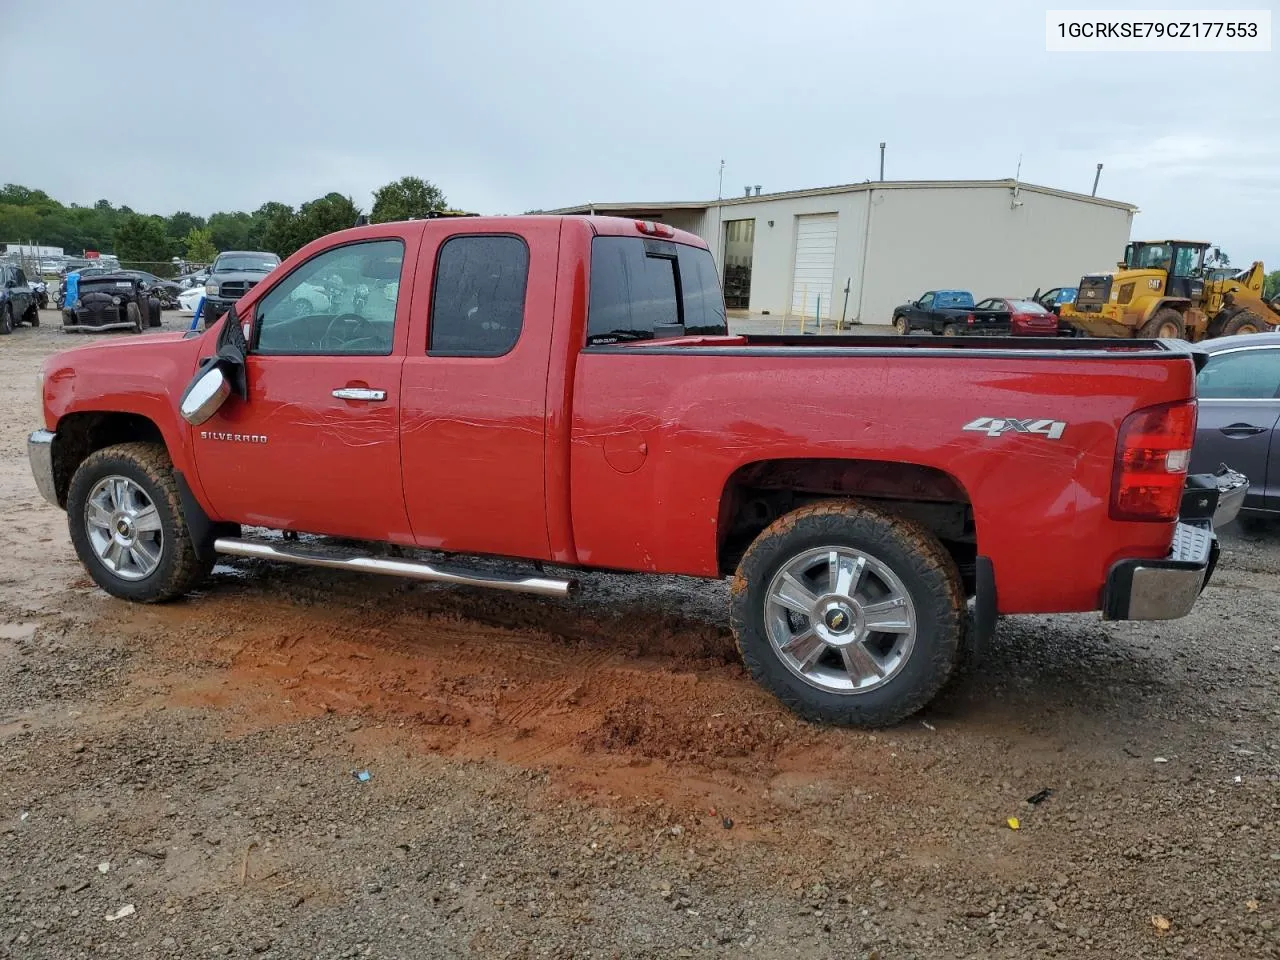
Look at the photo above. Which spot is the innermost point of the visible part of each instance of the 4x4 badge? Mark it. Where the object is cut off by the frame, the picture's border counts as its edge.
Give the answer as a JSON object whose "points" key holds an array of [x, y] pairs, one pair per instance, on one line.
{"points": [[996, 426]]}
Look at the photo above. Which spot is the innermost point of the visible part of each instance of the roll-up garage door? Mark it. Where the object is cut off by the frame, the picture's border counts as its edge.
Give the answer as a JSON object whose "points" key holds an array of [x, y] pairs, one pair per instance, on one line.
{"points": [[815, 264]]}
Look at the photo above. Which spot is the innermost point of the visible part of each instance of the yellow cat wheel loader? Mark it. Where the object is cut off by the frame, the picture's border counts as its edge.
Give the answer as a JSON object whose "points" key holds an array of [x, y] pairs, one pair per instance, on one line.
{"points": [[1162, 289]]}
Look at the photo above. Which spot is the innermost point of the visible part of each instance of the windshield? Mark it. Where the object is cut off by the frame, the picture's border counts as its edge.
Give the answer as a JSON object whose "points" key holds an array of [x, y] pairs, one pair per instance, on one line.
{"points": [[246, 263], [1151, 256], [1027, 306]]}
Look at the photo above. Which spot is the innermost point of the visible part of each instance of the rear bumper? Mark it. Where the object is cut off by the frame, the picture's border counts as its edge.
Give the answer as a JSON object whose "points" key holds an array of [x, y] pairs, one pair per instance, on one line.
{"points": [[40, 453], [1167, 589]]}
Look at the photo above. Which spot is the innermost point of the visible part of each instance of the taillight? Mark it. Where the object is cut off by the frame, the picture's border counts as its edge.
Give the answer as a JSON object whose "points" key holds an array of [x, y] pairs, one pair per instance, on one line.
{"points": [[652, 229], [1153, 453], [971, 318]]}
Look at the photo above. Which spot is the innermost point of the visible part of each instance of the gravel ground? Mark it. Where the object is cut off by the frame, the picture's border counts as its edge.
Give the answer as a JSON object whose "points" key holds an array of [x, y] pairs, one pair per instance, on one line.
{"points": [[600, 778]]}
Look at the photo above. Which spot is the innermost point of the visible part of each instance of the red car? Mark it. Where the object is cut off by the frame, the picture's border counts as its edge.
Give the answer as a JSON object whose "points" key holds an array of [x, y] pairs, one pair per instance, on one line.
{"points": [[1027, 317], [565, 391]]}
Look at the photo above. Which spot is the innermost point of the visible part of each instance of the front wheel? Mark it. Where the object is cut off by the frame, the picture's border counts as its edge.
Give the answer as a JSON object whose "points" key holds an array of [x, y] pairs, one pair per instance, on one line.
{"points": [[900, 326], [127, 525], [133, 314], [847, 614], [6, 320]]}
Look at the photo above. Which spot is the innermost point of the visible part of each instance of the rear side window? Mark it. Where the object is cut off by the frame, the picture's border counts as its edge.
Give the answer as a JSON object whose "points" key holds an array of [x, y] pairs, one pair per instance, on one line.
{"points": [[1246, 375], [643, 289], [477, 306]]}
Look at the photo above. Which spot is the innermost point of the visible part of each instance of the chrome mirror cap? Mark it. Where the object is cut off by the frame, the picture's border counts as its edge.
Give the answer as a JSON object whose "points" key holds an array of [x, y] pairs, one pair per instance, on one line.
{"points": [[205, 396]]}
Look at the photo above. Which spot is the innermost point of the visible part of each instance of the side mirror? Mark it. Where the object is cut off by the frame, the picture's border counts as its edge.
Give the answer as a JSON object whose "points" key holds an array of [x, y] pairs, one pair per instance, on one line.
{"points": [[206, 394]]}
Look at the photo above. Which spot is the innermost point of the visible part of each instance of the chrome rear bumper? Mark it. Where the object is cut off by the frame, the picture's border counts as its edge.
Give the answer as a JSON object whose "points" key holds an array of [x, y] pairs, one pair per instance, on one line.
{"points": [[1168, 588]]}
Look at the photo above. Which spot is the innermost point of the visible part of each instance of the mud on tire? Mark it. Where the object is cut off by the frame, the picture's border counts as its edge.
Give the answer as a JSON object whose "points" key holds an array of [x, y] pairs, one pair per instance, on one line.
{"points": [[147, 467], [902, 560]]}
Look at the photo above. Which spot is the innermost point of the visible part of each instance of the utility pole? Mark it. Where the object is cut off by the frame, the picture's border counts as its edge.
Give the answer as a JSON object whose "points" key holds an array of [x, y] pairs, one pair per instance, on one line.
{"points": [[1096, 177], [881, 159], [720, 220]]}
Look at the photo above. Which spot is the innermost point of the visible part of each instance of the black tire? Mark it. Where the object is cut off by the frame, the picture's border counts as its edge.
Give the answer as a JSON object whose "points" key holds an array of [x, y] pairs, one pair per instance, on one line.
{"points": [[900, 326], [33, 317], [148, 466], [1244, 321], [6, 320], [133, 314], [927, 573], [154, 315], [1167, 324], [951, 330]]}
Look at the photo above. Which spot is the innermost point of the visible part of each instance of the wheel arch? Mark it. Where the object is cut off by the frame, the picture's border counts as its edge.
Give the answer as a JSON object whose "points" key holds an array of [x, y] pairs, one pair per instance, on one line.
{"points": [[1181, 304], [757, 493], [82, 433]]}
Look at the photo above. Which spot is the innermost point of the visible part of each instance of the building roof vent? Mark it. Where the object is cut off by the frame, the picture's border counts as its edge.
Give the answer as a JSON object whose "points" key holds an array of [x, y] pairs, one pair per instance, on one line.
{"points": [[757, 189]]}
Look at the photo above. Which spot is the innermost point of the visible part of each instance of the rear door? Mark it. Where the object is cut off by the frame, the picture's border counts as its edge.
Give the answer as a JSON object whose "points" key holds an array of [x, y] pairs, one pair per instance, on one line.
{"points": [[474, 408], [1239, 392]]}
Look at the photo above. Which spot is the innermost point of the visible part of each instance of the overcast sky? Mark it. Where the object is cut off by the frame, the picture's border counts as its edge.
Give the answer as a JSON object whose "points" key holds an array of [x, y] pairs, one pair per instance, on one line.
{"points": [[514, 105]]}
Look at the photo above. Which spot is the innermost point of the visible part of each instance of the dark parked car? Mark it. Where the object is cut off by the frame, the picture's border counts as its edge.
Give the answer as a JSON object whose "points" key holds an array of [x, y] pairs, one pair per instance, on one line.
{"points": [[231, 276], [166, 291], [17, 300], [112, 301], [1239, 391], [951, 313]]}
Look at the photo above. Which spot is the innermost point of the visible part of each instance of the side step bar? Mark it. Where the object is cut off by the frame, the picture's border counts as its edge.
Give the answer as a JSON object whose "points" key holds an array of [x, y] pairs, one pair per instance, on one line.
{"points": [[413, 569]]}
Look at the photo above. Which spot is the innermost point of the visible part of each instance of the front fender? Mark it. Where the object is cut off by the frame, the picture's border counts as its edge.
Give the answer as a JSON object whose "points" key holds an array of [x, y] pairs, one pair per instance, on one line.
{"points": [[142, 376]]}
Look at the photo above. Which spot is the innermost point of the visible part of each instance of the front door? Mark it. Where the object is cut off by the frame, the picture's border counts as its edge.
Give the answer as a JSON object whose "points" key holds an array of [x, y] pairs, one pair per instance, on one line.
{"points": [[316, 448], [1239, 410]]}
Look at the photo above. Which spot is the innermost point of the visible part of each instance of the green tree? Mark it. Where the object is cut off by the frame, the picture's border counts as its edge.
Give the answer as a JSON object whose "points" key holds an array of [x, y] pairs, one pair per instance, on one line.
{"points": [[259, 222], [199, 244], [405, 199], [230, 231], [141, 241], [1271, 285], [179, 224]]}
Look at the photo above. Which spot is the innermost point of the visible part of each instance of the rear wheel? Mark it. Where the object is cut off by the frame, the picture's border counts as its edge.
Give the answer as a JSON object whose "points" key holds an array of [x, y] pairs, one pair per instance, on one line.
{"points": [[33, 316], [900, 325], [1244, 321], [1167, 324], [127, 525], [951, 330], [848, 615]]}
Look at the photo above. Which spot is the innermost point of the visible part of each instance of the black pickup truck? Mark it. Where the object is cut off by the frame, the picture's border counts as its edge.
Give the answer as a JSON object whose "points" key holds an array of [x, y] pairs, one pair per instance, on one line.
{"points": [[950, 313]]}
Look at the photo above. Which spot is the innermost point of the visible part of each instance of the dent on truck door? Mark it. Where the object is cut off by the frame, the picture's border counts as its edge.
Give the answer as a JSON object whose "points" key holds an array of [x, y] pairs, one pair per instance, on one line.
{"points": [[316, 447], [474, 411]]}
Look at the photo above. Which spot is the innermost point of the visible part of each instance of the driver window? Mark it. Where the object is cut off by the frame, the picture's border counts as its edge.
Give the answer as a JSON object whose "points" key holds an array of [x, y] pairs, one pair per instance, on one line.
{"points": [[341, 302], [926, 300]]}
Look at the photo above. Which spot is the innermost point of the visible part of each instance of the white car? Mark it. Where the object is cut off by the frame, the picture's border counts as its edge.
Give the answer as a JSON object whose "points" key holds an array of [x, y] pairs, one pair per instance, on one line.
{"points": [[189, 299]]}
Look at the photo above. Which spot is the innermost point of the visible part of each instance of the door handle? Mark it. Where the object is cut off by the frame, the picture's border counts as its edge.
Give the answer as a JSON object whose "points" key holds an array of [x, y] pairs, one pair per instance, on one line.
{"points": [[360, 393], [1241, 430]]}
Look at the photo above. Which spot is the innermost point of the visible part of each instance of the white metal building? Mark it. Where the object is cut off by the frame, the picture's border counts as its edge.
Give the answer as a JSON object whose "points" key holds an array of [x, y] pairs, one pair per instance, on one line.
{"points": [[889, 241]]}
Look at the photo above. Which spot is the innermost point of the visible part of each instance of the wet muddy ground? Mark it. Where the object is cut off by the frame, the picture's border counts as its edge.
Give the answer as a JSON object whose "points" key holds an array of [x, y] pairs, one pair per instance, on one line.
{"points": [[599, 778]]}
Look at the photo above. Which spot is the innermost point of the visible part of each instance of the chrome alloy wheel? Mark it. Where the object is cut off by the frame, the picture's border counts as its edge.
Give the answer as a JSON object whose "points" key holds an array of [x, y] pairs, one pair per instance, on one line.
{"points": [[840, 620], [124, 528]]}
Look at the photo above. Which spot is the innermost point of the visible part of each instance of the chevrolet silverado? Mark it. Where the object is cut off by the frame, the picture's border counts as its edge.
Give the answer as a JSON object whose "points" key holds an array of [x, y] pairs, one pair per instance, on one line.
{"points": [[565, 391]]}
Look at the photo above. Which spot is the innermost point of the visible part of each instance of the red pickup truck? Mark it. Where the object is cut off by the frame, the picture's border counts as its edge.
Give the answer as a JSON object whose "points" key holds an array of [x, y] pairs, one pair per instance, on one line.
{"points": [[564, 390]]}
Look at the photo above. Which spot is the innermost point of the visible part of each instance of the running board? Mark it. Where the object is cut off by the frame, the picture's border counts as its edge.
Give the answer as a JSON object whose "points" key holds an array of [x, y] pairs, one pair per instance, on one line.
{"points": [[413, 569]]}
